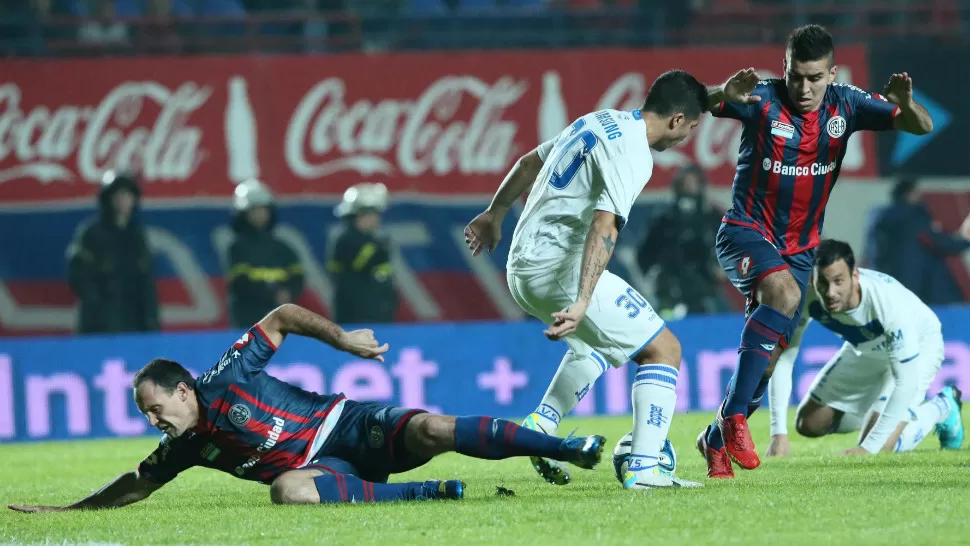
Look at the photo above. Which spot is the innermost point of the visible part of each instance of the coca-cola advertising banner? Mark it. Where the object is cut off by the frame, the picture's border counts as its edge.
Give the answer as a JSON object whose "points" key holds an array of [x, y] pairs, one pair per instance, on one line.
{"points": [[435, 123]]}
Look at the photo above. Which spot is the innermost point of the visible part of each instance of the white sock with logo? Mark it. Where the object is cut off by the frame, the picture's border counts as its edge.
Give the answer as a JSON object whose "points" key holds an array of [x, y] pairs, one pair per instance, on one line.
{"points": [[574, 378], [921, 423], [654, 400]]}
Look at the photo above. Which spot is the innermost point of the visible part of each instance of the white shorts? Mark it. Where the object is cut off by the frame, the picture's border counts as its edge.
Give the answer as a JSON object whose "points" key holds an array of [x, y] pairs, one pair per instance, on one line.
{"points": [[856, 384], [618, 324]]}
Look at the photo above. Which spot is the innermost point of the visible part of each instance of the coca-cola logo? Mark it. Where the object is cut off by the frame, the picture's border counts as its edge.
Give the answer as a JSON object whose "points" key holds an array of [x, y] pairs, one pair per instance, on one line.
{"points": [[431, 134], [122, 132]]}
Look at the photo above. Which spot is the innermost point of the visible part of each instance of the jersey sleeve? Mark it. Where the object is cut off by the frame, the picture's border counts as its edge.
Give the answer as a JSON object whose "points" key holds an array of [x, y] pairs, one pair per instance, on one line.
{"points": [[870, 111], [545, 148], [619, 183], [240, 363], [171, 457], [745, 112]]}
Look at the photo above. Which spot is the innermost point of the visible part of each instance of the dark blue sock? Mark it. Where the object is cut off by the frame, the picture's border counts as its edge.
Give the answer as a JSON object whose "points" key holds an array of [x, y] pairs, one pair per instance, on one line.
{"points": [[759, 394], [761, 333], [347, 488], [489, 438]]}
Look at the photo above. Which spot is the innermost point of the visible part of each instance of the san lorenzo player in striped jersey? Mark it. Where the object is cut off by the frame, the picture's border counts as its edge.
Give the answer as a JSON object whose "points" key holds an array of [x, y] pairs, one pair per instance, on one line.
{"points": [[792, 146], [311, 448]]}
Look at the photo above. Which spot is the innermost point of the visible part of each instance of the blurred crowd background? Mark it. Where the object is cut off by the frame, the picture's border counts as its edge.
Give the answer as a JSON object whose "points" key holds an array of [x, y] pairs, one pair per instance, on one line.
{"points": [[124, 252]]}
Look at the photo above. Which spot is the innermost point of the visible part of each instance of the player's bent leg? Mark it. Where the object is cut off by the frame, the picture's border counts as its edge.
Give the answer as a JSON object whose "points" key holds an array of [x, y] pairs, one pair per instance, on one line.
{"points": [[485, 437], [815, 420], [318, 486]]}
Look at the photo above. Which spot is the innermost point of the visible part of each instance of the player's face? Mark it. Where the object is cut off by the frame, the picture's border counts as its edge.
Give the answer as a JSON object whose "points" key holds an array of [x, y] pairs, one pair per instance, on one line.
{"points": [[169, 412], [835, 285], [807, 82], [678, 128]]}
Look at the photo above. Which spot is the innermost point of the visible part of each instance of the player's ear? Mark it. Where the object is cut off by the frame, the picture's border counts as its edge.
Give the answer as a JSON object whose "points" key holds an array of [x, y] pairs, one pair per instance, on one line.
{"points": [[833, 71], [676, 121]]}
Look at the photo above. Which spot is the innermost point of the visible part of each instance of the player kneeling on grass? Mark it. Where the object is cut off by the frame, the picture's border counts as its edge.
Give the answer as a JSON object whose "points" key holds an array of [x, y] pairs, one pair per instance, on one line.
{"points": [[893, 350], [311, 448]]}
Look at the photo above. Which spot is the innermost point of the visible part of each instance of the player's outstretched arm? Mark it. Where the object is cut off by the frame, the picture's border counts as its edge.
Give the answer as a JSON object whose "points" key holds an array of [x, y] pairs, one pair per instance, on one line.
{"points": [[290, 318], [912, 117], [597, 252], [737, 88], [124, 490], [485, 230]]}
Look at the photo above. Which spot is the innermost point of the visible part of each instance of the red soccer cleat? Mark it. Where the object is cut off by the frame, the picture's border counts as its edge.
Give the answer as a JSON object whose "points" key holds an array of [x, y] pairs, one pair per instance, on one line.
{"points": [[718, 461], [737, 440]]}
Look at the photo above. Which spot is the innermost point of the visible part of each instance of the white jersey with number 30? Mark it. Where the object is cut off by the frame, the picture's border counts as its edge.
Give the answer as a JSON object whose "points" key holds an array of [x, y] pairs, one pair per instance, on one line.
{"points": [[600, 162]]}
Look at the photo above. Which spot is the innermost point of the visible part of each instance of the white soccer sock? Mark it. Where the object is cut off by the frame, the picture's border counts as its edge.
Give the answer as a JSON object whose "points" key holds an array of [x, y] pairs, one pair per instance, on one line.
{"points": [[574, 378], [921, 423], [654, 400]]}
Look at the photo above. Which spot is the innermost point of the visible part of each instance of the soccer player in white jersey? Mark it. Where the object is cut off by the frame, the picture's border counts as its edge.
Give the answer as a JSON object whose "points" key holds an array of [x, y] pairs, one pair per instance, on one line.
{"points": [[878, 381], [585, 182]]}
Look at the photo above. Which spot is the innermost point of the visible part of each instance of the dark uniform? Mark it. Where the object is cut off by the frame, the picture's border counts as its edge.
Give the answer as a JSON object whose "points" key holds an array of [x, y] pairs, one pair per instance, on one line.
{"points": [[110, 270], [360, 264], [260, 264], [256, 427], [788, 164]]}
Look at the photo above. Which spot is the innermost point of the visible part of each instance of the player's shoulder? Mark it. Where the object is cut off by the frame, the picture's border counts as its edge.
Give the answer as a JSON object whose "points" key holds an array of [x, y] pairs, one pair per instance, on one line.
{"points": [[850, 93], [769, 88]]}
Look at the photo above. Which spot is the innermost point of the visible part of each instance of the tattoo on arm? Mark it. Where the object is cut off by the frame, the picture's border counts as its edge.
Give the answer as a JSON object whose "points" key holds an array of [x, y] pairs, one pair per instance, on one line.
{"points": [[596, 255]]}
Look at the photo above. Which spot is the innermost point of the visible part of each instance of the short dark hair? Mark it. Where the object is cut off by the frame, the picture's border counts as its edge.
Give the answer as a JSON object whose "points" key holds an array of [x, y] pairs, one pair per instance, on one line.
{"points": [[831, 251], [675, 92], [810, 43], [903, 188], [165, 373]]}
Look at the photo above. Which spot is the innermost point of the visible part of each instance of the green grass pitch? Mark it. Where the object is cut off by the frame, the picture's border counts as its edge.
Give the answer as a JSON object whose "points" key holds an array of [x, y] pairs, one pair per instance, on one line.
{"points": [[815, 498]]}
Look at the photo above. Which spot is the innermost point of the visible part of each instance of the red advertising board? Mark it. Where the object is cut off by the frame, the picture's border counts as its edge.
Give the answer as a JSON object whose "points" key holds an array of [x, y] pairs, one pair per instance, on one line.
{"points": [[435, 123]]}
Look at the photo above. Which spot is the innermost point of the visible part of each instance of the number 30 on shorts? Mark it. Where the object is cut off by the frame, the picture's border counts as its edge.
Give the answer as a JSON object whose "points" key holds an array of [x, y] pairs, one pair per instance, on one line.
{"points": [[579, 146], [632, 302]]}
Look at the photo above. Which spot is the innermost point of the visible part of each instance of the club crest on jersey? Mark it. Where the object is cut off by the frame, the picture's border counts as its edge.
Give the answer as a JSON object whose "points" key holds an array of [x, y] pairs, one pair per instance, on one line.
{"points": [[744, 266], [376, 437], [239, 414], [782, 129], [836, 126]]}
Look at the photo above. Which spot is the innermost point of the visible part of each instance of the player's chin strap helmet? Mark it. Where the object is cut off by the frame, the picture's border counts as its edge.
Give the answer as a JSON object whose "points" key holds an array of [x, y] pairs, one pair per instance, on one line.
{"points": [[248, 194], [361, 198]]}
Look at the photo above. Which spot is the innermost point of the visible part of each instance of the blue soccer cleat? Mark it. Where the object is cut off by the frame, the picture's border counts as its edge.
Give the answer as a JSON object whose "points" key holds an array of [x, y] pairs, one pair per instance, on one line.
{"points": [[583, 451], [950, 430], [450, 489]]}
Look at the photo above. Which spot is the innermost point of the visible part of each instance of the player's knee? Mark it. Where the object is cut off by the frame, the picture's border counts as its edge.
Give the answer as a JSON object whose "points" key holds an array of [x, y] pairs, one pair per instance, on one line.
{"points": [[664, 349], [808, 426], [431, 434], [780, 291], [292, 488]]}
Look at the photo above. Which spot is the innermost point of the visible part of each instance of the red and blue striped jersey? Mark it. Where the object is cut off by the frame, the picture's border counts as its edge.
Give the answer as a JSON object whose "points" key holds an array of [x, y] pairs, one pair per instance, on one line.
{"points": [[251, 425], [788, 162]]}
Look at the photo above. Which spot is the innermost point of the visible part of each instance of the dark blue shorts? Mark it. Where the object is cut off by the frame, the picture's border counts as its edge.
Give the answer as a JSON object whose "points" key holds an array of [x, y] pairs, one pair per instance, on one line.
{"points": [[747, 257], [368, 442]]}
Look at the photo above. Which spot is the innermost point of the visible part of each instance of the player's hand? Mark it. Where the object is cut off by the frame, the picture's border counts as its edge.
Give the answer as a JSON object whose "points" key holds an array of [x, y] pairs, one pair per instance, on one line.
{"points": [[32, 509], [363, 344], [739, 87], [485, 231], [899, 90], [855, 451], [565, 322]]}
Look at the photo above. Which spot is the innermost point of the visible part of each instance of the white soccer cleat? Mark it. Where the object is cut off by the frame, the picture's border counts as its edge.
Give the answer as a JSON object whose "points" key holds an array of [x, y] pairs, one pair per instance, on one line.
{"points": [[653, 478], [554, 472]]}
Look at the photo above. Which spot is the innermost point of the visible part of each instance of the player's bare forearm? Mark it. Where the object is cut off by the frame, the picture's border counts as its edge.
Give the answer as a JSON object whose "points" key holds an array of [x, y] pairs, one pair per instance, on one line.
{"points": [[914, 119], [519, 179], [597, 252], [290, 318], [124, 490], [715, 96]]}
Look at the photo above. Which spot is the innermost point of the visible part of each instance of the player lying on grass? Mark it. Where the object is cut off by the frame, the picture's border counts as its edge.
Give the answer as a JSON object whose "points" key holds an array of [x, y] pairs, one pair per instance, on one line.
{"points": [[878, 380], [311, 448]]}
